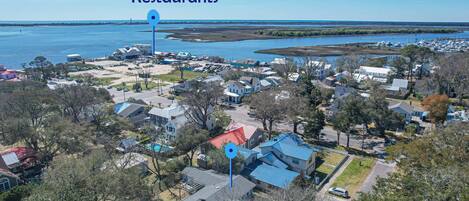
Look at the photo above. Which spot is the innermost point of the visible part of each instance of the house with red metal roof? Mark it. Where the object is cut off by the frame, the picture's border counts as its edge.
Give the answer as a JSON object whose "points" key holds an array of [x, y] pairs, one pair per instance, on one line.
{"points": [[240, 134], [19, 159]]}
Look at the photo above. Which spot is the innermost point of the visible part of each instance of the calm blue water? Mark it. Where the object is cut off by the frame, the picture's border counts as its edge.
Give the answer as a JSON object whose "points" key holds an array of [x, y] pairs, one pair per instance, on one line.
{"points": [[21, 44]]}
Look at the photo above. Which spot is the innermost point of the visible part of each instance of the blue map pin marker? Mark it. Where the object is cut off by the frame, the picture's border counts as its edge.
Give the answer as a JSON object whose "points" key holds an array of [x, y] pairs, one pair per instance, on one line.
{"points": [[231, 151], [153, 19]]}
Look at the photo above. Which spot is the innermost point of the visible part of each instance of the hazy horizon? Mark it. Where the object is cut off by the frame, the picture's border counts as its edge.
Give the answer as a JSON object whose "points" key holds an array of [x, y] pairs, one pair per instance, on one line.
{"points": [[332, 10]]}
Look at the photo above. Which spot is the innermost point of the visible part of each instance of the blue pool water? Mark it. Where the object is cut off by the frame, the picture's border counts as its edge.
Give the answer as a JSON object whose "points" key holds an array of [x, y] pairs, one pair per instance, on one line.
{"points": [[158, 147], [21, 44]]}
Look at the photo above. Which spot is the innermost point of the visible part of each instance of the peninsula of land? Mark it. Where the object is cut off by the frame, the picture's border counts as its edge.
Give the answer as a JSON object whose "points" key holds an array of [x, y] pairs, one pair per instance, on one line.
{"points": [[333, 50], [240, 33]]}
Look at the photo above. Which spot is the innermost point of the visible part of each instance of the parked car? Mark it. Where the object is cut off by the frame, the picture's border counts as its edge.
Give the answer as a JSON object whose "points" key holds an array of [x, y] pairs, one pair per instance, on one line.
{"points": [[339, 192]]}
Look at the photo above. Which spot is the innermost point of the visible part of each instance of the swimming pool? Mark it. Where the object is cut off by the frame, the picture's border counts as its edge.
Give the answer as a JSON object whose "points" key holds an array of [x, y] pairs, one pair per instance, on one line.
{"points": [[156, 147]]}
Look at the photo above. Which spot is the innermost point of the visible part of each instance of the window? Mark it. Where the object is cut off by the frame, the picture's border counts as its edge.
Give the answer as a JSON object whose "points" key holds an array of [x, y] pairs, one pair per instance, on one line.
{"points": [[295, 161], [4, 184]]}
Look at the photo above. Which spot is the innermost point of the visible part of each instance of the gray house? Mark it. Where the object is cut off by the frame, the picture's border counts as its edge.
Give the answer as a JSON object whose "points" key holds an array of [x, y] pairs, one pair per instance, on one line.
{"points": [[209, 186], [403, 109], [132, 111]]}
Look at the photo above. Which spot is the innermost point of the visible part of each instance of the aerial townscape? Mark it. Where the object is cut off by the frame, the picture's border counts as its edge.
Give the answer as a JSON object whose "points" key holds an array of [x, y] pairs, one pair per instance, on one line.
{"points": [[378, 112]]}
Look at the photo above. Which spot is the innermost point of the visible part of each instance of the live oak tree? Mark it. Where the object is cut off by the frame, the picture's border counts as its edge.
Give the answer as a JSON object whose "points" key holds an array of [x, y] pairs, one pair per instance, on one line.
{"points": [[342, 123], [220, 163], [353, 106], [75, 100], [49, 121], [93, 177], [189, 140], [432, 167], [314, 123], [416, 55]]}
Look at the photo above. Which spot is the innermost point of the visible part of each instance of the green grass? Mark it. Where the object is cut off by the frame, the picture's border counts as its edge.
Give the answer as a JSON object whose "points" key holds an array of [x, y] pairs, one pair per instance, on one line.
{"points": [[331, 160], [326, 169], [355, 174], [175, 76], [95, 81]]}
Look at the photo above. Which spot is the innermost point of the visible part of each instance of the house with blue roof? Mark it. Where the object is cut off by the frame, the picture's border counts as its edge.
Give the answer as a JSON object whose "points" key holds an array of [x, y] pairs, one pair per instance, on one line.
{"points": [[278, 162], [291, 150], [267, 177]]}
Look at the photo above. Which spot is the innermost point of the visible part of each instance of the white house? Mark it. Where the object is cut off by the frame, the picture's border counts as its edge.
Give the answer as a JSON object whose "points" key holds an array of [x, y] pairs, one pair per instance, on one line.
{"points": [[169, 119], [322, 69], [127, 53], [372, 73], [235, 91]]}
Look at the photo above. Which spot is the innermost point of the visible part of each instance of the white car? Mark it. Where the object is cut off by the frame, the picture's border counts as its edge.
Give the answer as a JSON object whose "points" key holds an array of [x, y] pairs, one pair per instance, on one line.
{"points": [[339, 192]]}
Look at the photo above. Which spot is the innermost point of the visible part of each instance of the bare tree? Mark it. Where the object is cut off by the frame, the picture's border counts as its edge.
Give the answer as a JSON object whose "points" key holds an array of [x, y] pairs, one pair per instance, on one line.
{"points": [[269, 108], [285, 69], [200, 101], [452, 75]]}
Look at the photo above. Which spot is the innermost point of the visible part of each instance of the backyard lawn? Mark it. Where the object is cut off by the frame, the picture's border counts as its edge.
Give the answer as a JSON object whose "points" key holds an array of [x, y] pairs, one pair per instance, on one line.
{"points": [[355, 174], [331, 160], [175, 76]]}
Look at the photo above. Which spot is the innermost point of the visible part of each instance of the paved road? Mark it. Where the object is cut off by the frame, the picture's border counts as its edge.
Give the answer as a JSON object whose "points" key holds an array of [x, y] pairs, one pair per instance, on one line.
{"points": [[381, 169], [240, 114]]}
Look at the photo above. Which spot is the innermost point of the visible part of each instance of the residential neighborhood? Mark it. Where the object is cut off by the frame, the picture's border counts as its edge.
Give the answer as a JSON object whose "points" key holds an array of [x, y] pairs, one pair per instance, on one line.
{"points": [[250, 107]]}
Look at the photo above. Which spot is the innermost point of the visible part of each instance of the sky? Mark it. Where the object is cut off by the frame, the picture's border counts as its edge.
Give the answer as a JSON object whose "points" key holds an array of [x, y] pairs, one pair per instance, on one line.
{"points": [[360, 10]]}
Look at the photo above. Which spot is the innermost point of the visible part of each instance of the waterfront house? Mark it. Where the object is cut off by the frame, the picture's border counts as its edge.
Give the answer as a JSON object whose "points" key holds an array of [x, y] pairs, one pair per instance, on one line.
{"points": [[74, 58], [372, 73], [208, 185], [132, 111], [127, 53], [184, 56]]}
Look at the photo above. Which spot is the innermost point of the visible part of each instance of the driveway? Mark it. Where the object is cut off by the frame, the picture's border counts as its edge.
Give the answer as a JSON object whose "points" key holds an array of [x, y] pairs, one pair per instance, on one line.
{"points": [[381, 170]]}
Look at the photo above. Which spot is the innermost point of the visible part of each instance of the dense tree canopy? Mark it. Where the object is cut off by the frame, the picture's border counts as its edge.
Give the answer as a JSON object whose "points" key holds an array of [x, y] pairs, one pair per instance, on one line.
{"points": [[432, 167]]}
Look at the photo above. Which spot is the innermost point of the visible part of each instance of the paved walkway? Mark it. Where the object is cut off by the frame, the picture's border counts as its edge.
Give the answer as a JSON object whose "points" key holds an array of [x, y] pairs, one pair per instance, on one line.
{"points": [[381, 169], [326, 187]]}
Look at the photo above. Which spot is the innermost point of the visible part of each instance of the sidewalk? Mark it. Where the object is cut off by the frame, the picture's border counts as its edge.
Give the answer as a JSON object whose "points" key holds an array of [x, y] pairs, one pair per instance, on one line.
{"points": [[326, 187]]}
